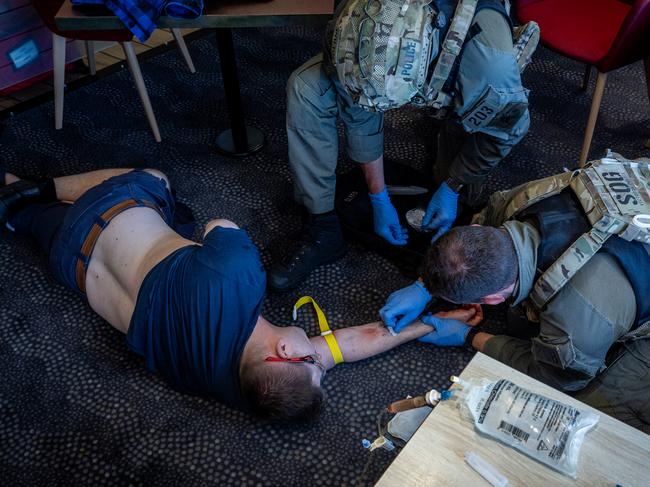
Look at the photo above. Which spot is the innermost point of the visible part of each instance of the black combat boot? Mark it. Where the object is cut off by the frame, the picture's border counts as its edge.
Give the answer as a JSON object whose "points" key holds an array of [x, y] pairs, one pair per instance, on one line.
{"points": [[16, 196], [323, 243]]}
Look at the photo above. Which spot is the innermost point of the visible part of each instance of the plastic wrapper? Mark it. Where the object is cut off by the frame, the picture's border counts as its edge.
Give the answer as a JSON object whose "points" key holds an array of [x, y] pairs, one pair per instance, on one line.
{"points": [[405, 424], [547, 430]]}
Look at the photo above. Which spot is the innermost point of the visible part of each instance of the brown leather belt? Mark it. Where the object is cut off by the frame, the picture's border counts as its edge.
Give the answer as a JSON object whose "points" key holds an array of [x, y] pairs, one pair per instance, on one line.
{"points": [[95, 232]]}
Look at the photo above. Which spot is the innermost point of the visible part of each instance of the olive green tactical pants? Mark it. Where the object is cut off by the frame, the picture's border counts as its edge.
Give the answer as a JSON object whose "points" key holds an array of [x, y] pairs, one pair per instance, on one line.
{"points": [[314, 103], [623, 389]]}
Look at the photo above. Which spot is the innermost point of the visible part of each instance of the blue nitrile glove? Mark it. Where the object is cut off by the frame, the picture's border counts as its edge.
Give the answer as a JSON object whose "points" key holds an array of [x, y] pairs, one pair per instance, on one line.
{"points": [[441, 211], [386, 219], [406, 304], [447, 333]]}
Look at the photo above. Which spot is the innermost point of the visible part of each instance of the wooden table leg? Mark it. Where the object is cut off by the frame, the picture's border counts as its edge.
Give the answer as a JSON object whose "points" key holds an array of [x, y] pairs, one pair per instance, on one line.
{"points": [[240, 140], [593, 116]]}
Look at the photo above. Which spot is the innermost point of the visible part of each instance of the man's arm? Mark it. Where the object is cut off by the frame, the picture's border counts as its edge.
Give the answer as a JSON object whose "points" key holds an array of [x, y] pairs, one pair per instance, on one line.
{"points": [[363, 341], [373, 172], [479, 341], [576, 329], [492, 105], [385, 218], [490, 117], [518, 354], [481, 153]]}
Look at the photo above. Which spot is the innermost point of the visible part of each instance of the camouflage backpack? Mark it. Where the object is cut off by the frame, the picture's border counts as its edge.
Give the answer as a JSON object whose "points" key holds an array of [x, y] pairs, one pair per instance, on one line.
{"points": [[614, 193]]}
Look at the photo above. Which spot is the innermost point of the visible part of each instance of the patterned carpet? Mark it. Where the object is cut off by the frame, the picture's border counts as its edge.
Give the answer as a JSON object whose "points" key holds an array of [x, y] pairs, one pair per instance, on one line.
{"points": [[76, 408]]}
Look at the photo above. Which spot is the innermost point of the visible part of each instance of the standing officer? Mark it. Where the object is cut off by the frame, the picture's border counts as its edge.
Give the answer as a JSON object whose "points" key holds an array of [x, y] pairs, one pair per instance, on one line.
{"points": [[453, 56]]}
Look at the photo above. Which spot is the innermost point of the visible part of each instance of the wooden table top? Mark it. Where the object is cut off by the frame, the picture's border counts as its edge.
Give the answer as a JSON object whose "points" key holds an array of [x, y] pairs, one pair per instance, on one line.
{"points": [[216, 13], [612, 453]]}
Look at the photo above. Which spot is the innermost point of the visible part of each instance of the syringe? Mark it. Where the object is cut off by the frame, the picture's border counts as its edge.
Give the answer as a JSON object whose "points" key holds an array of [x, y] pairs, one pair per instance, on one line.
{"points": [[431, 398]]}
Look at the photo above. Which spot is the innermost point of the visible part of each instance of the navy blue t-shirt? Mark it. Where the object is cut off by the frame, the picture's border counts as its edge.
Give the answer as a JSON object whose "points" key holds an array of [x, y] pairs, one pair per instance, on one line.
{"points": [[196, 310]]}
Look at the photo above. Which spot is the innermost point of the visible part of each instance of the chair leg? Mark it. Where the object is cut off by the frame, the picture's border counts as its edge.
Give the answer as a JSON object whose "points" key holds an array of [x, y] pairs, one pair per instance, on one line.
{"points": [[58, 60], [90, 54], [646, 62], [587, 77], [183, 47], [593, 115], [132, 61]]}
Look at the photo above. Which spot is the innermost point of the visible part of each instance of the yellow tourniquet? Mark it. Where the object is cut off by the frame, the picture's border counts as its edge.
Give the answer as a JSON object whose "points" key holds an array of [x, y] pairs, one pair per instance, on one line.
{"points": [[325, 331]]}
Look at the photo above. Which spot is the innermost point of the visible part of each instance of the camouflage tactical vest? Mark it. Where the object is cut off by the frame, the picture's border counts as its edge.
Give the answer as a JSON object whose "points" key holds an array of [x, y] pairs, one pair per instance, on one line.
{"points": [[614, 193], [387, 53], [382, 51]]}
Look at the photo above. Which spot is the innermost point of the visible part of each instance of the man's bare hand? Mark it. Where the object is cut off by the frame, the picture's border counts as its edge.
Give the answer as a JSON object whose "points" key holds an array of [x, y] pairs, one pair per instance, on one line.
{"points": [[460, 314], [470, 314], [478, 313]]}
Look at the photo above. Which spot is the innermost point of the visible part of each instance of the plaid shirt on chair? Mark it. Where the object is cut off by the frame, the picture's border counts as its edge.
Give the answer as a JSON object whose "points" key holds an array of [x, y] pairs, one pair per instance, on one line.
{"points": [[140, 16]]}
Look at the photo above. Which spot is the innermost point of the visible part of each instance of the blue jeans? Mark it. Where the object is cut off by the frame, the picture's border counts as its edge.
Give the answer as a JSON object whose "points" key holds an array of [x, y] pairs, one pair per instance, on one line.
{"points": [[87, 210]]}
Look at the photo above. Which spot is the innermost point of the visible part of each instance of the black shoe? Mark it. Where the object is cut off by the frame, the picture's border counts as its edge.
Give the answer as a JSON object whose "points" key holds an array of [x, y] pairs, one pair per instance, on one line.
{"points": [[323, 244], [21, 193]]}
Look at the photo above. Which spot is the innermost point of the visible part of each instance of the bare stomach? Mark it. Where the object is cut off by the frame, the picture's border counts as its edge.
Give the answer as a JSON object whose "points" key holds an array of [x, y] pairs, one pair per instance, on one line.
{"points": [[126, 250]]}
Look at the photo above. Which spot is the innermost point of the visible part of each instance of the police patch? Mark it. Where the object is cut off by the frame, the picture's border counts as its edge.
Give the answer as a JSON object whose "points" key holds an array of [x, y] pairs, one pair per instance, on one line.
{"points": [[408, 63]]}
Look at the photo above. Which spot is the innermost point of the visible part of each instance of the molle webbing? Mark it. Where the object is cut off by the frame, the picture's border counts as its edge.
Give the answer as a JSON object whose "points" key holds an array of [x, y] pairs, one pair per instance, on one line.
{"points": [[614, 194], [450, 49]]}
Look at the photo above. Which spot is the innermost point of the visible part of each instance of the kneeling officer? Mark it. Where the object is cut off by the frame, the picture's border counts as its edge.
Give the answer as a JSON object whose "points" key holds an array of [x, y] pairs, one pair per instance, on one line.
{"points": [[571, 254], [453, 56]]}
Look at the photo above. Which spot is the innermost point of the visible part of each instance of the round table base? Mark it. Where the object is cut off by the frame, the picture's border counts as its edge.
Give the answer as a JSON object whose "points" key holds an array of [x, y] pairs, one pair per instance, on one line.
{"points": [[225, 145]]}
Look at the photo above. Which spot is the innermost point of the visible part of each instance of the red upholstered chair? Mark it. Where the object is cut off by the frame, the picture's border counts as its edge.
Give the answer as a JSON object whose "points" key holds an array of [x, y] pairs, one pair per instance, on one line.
{"points": [[606, 34], [47, 10]]}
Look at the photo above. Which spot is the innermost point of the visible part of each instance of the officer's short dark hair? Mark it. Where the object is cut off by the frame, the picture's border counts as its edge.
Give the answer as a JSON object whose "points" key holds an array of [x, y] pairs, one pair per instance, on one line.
{"points": [[469, 263], [281, 391]]}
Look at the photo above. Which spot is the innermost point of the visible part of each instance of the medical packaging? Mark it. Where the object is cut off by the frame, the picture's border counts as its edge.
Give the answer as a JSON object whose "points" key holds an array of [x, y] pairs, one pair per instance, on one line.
{"points": [[547, 430], [485, 469]]}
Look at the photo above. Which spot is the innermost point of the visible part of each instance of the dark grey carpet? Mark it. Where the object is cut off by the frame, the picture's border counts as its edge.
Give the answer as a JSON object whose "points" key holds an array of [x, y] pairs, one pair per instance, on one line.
{"points": [[76, 408]]}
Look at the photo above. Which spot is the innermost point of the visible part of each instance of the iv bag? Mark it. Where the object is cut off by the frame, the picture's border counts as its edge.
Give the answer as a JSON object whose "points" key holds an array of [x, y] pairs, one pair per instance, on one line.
{"points": [[542, 428]]}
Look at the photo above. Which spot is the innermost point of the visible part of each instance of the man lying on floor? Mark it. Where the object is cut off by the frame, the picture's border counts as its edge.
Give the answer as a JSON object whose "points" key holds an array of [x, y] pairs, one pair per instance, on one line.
{"points": [[192, 310]]}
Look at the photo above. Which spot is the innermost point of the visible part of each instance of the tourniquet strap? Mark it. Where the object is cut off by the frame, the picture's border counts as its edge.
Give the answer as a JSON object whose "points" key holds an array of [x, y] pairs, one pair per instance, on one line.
{"points": [[96, 230], [325, 331]]}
